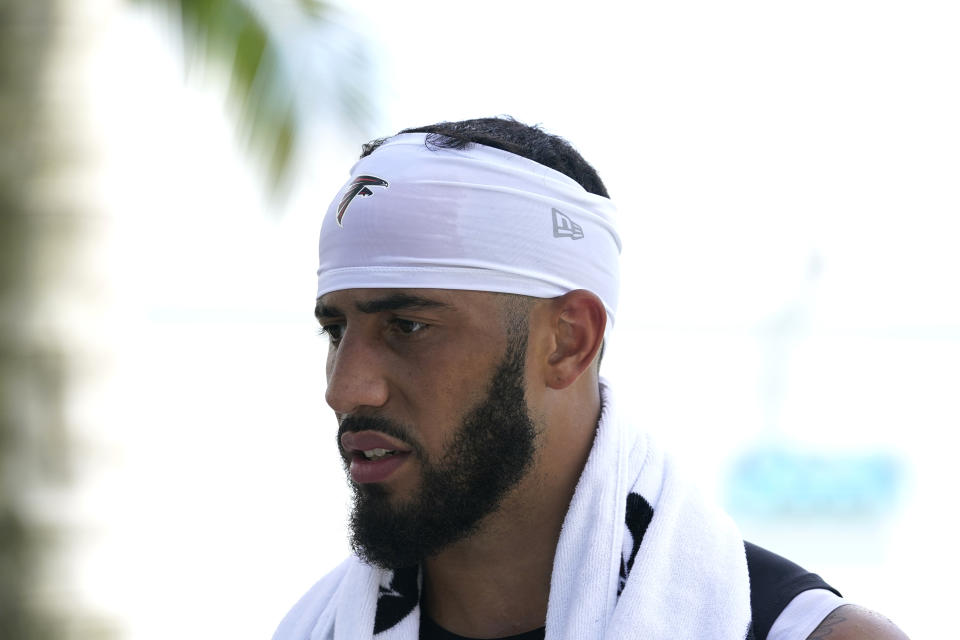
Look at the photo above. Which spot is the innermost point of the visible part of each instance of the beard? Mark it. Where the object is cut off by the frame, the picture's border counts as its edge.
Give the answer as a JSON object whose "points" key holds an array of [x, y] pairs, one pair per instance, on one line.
{"points": [[490, 453]]}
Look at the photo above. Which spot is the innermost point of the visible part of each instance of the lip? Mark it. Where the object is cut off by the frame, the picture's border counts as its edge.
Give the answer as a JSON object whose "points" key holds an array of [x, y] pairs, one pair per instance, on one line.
{"points": [[354, 441], [364, 471]]}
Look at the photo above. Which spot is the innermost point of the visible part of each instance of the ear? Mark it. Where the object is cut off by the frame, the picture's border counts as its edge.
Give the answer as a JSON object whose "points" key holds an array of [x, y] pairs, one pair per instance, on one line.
{"points": [[578, 321]]}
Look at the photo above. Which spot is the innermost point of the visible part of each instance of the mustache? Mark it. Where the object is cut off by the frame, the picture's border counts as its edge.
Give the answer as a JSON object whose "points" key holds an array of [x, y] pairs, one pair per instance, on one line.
{"points": [[377, 423]]}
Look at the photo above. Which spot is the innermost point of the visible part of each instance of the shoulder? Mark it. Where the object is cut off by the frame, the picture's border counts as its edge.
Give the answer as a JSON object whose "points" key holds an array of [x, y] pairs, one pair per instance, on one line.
{"points": [[850, 622], [786, 598], [774, 584], [303, 617], [775, 576]]}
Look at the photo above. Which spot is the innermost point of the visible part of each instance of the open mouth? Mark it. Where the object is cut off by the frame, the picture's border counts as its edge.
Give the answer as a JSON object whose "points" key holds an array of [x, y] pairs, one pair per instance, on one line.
{"points": [[376, 465], [376, 454], [374, 457]]}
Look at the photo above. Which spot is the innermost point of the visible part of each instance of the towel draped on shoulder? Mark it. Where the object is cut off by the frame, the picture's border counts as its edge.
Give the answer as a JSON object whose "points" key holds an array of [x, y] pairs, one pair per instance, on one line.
{"points": [[641, 555]]}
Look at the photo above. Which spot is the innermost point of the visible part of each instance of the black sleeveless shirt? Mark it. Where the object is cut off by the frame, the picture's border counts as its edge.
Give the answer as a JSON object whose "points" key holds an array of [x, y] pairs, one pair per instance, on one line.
{"points": [[774, 582]]}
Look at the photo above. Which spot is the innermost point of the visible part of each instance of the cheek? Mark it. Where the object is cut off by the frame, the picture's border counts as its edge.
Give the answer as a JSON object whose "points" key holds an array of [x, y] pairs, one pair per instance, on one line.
{"points": [[445, 399]]}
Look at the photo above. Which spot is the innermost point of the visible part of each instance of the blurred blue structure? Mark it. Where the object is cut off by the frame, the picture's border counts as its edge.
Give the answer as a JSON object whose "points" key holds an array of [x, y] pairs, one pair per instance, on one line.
{"points": [[774, 481]]}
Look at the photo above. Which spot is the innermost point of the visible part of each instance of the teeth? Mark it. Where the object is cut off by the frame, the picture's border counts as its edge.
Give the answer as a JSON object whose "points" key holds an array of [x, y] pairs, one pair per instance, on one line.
{"points": [[376, 454]]}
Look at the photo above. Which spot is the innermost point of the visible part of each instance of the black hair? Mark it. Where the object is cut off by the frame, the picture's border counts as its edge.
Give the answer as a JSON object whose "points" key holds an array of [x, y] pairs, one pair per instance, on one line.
{"points": [[508, 134]]}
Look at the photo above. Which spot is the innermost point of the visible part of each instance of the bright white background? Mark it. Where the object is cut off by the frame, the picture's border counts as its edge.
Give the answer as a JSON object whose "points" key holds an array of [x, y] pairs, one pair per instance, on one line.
{"points": [[744, 142]]}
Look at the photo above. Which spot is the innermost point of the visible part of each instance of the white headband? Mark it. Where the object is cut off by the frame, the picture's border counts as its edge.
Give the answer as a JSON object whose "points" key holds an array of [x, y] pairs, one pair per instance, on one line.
{"points": [[479, 219]]}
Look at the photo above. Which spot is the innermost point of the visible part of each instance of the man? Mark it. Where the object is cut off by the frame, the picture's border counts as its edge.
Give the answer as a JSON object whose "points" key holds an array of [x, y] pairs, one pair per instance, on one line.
{"points": [[468, 281]]}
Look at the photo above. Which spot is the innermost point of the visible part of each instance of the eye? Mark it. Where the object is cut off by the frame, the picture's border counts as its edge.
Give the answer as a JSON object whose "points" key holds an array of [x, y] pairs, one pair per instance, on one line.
{"points": [[334, 332], [408, 326]]}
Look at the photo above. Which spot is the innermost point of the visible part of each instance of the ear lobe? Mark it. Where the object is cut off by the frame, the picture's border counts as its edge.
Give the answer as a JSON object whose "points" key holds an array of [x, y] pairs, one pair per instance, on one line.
{"points": [[579, 322]]}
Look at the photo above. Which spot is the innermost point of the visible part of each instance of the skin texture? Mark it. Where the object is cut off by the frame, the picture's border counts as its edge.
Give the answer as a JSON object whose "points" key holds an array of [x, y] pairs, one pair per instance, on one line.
{"points": [[419, 365], [851, 622]]}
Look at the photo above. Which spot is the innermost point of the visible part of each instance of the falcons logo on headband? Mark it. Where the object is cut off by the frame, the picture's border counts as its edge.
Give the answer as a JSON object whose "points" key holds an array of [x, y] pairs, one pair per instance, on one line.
{"points": [[359, 187]]}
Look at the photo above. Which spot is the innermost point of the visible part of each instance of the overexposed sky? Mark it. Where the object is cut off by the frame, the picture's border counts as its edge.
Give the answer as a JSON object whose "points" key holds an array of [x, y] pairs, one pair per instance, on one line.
{"points": [[788, 166]]}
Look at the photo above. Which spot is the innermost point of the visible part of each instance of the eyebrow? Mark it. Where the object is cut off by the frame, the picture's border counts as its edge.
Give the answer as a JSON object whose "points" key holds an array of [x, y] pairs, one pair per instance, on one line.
{"points": [[392, 302]]}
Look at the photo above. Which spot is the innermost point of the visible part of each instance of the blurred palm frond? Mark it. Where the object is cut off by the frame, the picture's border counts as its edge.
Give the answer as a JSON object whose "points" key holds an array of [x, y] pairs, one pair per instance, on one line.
{"points": [[264, 86]]}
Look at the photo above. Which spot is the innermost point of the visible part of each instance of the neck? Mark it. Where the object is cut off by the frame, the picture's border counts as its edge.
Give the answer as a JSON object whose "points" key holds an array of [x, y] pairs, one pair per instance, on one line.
{"points": [[497, 581]]}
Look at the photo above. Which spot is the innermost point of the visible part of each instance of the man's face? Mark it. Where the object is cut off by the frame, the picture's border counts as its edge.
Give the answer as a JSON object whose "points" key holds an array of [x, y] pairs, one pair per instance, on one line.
{"points": [[428, 386]]}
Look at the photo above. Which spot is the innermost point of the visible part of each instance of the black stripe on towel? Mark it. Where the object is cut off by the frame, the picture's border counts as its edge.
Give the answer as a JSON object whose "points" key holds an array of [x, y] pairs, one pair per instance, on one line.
{"points": [[397, 600], [639, 514]]}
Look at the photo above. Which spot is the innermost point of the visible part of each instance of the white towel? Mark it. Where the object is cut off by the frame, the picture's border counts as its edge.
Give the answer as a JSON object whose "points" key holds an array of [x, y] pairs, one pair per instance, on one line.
{"points": [[641, 555]]}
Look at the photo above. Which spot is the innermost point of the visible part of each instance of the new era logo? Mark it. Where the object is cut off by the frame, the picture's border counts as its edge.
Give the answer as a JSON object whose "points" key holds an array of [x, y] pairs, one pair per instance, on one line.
{"points": [[565, 227]]}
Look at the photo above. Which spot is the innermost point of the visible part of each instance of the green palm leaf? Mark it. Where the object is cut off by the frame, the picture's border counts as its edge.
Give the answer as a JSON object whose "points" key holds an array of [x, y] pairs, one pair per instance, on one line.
{"points": [[232, 36]]}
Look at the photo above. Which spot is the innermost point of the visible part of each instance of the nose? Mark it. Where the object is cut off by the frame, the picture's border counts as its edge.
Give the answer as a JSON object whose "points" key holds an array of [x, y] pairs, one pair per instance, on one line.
{"points": [[356, 376]]}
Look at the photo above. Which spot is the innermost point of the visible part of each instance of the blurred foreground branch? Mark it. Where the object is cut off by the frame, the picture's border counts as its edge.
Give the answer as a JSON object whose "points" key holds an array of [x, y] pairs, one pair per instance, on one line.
{"points": [[34, 229], [270, 81]]}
